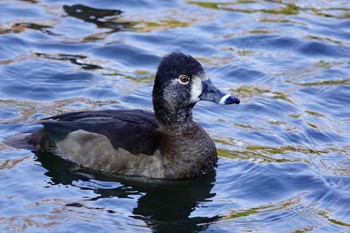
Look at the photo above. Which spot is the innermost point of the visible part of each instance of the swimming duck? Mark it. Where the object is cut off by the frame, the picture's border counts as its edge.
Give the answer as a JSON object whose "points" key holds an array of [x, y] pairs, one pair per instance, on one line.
{"points": [[164, 144]]}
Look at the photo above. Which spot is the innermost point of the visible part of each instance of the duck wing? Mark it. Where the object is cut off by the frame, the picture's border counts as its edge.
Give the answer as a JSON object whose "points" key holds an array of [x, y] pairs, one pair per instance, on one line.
{"points": [[132, 130]]}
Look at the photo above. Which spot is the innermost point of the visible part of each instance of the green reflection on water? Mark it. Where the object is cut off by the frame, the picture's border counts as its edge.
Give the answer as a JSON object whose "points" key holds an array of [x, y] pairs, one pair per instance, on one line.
{"points": [[261, 31], [315, 114], [325, 215], [267, 154], [251, 154], [288, 9], [249, 91], [143, 26], [326, 82], [266, 208], [139, 76]]}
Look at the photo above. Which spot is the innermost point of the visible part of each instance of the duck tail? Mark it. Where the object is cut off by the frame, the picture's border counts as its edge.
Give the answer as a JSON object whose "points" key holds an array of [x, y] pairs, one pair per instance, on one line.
{"points": [[19, 141]]}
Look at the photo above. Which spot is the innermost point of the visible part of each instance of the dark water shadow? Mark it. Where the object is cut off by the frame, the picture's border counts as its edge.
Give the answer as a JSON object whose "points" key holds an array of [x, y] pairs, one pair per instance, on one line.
{"points": [[103, 18], [164, 205]]}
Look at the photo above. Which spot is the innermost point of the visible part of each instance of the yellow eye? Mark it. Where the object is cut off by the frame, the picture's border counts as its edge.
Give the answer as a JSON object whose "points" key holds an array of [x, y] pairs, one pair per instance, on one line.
{"points": [[184, 79]]}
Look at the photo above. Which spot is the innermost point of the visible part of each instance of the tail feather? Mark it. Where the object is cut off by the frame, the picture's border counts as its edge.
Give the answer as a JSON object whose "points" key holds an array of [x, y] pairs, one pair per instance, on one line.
{"points": [[19, 141], [33, 141]]}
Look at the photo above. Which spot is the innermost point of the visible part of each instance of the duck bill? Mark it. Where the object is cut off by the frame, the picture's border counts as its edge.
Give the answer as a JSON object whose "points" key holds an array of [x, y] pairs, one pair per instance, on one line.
{"points": [[213, 94]]}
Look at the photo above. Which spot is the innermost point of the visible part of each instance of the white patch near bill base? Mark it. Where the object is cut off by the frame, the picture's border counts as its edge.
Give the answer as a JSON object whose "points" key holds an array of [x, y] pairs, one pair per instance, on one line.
{"points": [[204, 77], [224, 98], [196, 89]]}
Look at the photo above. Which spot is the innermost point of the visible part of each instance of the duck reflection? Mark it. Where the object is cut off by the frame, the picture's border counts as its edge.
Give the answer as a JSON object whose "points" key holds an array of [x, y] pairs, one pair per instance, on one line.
{"points": [[165, 206], [103, 18]]}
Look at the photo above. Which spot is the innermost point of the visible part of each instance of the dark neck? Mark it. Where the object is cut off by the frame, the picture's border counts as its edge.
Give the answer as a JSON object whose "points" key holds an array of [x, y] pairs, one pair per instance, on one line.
{"points": [[173, 121]]}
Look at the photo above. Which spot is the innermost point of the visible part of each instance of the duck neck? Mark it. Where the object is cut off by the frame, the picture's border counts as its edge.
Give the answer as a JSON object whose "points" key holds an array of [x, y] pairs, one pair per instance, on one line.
{"points": [[173, 120]]}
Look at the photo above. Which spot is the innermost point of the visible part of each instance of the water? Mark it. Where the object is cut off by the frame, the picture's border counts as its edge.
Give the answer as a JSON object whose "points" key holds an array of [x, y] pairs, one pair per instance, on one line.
{"points": [[284, 151]]}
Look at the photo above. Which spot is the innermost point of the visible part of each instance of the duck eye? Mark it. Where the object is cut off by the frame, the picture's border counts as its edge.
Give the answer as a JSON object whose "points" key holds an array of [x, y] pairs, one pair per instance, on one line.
{"points": [[184, 79]]}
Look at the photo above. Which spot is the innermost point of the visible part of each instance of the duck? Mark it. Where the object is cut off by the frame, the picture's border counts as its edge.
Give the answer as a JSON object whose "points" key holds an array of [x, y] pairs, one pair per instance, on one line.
{"points": [[164, 144]]}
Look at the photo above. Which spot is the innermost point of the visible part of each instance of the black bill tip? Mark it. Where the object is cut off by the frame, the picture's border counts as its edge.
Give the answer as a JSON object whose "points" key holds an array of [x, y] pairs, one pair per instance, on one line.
{"points": [[229, 99]]}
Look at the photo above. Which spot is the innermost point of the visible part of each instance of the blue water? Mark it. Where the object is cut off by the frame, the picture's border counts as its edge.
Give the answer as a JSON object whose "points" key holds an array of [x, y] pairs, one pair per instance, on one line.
{"points": [[284, 152]]}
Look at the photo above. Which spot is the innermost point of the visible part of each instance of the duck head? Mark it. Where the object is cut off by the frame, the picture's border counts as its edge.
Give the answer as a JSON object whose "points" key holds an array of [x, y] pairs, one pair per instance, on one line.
{"points": [[180, 83]]}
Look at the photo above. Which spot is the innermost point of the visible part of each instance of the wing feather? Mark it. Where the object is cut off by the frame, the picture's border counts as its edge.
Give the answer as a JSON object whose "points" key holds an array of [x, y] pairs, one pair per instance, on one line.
{"points": [[132, 130]]}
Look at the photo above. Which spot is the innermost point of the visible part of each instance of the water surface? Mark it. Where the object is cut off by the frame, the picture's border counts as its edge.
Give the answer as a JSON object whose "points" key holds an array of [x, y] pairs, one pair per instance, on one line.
{"points": [[284, 152]]}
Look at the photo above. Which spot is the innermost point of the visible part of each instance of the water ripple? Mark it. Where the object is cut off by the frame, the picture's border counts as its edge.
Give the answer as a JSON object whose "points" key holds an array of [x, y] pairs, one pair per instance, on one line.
{"points": [[284, 151]]}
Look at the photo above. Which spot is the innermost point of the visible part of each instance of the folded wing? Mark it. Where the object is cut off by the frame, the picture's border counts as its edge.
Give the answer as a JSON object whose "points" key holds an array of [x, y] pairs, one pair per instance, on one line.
{"points": [[133, 130]]}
